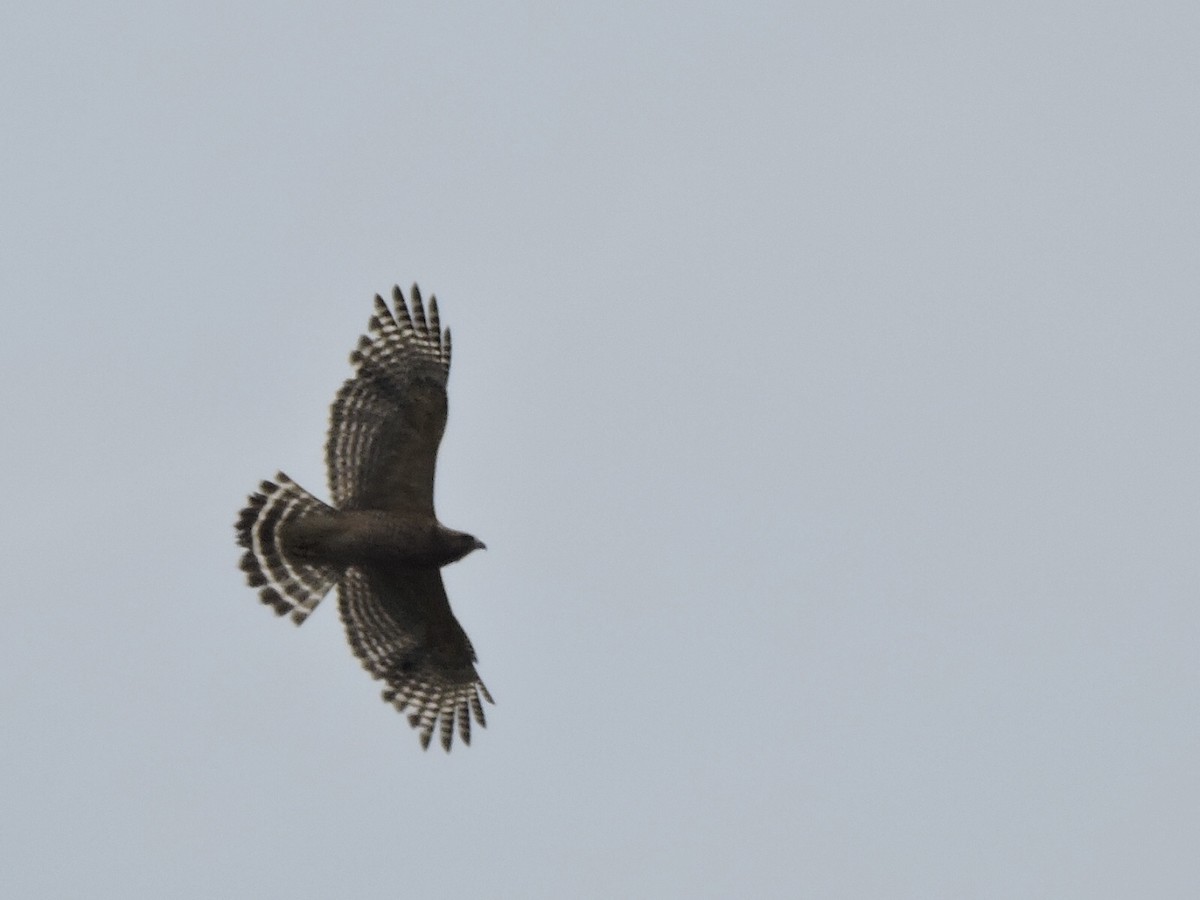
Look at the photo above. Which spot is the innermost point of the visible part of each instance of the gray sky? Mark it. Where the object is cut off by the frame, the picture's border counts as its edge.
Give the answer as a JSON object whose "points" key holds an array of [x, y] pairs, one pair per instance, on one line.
{"points": [[825, 389]]}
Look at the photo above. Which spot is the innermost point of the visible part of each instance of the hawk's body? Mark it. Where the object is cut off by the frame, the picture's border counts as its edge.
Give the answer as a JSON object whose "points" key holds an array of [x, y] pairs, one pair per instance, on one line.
{"points": [[381, 542]]}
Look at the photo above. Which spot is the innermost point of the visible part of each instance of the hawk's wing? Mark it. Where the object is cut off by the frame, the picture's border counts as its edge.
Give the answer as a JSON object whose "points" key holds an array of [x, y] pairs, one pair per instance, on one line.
{"points": [[387, 421], [400, 626]]}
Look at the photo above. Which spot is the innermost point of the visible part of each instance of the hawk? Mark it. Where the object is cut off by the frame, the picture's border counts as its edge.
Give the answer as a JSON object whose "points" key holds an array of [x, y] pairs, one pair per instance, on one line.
{"points": [[380, 542]]}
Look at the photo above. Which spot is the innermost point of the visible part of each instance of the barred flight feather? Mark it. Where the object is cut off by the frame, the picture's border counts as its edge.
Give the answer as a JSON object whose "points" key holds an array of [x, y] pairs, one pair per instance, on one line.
{"points": [[433, 694], [288, 586], [403, 353]]}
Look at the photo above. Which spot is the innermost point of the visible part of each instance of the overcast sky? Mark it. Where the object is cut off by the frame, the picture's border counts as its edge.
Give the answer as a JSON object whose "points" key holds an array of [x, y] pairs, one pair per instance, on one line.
{"points": [[825, 388]]}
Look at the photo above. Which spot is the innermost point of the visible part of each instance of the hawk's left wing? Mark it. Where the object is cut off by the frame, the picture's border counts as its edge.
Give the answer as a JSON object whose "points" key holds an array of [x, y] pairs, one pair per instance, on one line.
{"points": [[387, 421]]}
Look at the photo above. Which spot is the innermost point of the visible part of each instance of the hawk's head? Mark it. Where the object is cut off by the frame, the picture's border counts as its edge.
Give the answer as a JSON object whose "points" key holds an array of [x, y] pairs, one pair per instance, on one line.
{"points": [[458, 544]]}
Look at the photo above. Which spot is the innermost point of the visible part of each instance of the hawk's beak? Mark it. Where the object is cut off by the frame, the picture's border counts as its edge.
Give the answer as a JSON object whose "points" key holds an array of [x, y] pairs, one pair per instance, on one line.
{"points": [[479, 545]]}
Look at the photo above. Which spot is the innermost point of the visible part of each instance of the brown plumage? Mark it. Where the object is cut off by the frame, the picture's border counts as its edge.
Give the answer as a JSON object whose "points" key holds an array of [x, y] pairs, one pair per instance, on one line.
{"points": [[380, 542]]}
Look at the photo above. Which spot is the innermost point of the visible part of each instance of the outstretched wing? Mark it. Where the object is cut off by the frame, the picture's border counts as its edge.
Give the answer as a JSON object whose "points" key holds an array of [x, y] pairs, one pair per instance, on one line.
{"points": [[400, 626], [387, 421]]}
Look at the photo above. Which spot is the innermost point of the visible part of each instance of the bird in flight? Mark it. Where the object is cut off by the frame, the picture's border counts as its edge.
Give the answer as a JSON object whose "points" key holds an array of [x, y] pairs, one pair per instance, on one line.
{"points": [[380, 542]]}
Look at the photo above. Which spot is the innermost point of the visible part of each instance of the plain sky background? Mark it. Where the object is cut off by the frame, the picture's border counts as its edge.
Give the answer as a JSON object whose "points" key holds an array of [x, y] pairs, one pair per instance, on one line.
{"points": [[825, 388]]}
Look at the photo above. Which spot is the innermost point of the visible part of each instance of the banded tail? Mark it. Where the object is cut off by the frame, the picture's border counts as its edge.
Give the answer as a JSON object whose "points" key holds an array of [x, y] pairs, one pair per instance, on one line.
{"points": [[288, 585]]}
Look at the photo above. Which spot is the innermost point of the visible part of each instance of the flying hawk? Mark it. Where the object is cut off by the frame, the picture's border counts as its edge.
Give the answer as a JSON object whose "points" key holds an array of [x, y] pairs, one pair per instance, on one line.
{"points": [[380, 542]]}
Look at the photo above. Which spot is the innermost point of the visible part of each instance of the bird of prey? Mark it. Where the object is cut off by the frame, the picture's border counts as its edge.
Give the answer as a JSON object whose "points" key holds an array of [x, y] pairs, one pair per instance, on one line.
{"points": [[380, 542]]}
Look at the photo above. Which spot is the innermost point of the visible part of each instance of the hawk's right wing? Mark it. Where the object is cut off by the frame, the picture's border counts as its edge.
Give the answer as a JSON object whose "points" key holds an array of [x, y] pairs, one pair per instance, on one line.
{"points": [[401, 628], [387, 421]]}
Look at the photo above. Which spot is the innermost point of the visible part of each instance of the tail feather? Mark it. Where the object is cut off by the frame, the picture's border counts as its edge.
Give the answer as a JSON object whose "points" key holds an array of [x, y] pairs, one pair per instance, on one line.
{"points": [[287, 585]]}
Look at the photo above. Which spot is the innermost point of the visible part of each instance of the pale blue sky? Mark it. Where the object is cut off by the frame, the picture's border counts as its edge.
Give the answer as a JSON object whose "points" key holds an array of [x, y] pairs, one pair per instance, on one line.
{"points": [[825, 388]]}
